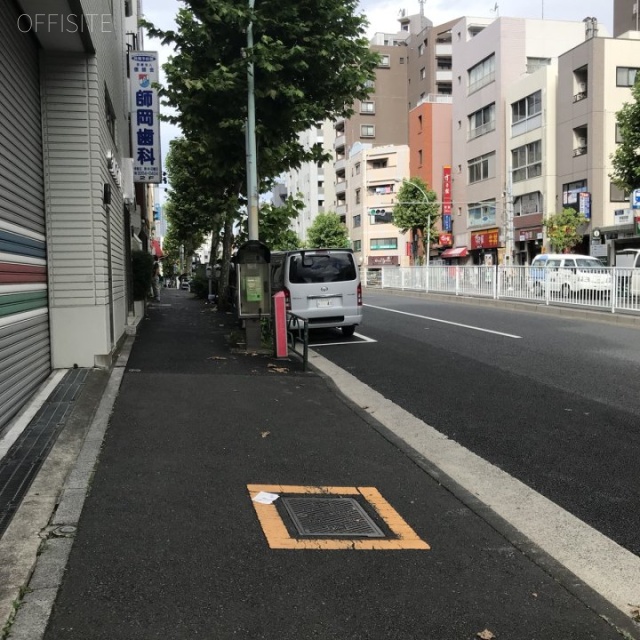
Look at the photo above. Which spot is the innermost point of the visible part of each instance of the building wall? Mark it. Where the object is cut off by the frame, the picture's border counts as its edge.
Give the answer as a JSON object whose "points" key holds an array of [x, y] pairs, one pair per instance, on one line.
{"points": [[598, 58], [625, 16], [86, 236], [512, 41], [378, 188]]}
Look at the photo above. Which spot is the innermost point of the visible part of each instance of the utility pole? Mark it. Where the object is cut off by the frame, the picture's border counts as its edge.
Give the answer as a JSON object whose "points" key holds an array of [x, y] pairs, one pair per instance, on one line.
{"points": [[252, 160]]}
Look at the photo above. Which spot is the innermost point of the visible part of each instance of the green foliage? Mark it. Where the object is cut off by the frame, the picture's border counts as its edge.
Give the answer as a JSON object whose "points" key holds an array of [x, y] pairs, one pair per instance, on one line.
{"points": [[562, 229], [199, 284], [328, 231], [626, 159], [311, 62], [141, 266], [274, 223], [416, 209]]}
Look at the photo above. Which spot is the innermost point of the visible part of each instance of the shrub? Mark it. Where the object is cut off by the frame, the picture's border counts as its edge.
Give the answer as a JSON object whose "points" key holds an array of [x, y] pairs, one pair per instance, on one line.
{"points": [[141, 266]]}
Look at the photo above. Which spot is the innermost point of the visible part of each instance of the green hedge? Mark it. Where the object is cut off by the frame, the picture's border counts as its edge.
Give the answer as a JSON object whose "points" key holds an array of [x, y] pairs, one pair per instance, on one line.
{"points": [[142, 265]]}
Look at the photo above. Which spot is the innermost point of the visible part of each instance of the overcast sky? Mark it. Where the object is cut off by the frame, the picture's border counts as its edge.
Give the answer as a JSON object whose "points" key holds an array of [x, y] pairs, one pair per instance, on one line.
{"points": [[383, 14]]}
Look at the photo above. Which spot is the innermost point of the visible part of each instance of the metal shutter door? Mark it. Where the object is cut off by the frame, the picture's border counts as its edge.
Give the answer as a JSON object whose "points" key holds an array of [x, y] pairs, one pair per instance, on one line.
{"points": [[24, 322]]}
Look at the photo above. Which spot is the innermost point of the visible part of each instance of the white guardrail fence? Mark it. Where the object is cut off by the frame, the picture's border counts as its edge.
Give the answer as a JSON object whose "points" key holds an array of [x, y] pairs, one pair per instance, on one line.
{"points": [[608, 288]]}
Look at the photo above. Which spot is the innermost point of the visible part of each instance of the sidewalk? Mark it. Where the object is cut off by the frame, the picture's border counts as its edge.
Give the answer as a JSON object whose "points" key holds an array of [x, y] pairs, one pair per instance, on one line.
{"points": [[170, 544]]}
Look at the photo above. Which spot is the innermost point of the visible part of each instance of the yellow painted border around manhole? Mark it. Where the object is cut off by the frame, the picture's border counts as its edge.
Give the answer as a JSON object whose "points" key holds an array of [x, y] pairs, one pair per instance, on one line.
{"points": [[278, 537]]}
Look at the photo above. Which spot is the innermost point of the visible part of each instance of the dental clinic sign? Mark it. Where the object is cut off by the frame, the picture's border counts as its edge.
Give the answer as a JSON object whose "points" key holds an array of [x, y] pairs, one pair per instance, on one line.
{"points": [[145, 112]]}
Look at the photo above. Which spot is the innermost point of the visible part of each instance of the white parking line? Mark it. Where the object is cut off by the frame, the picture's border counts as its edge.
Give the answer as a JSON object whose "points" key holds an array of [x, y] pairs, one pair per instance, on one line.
{"points": [[457, 324], [363, 340]]}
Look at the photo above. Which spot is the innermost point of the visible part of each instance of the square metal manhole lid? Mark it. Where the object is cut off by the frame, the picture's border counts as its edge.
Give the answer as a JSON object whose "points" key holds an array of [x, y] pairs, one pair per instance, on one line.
{"points": [[331, 517]]}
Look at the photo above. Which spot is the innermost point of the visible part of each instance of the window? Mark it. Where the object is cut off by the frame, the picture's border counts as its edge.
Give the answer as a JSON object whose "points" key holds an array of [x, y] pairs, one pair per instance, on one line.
{"points": [[367, 106], [385, 60], [482, 74], [533, 64], [421, 49], [626, 76], [616, 194], [379, 163], [357, 196], [367, 131], [419, 123], [420, 157], [570, 192], [526, 114], [423, 73], [482, 214], [357, 168], [401, 60], [110, 114], [619, 137], [357, 221], [527, 203], [482, 121], [527, 107], [370, 84], [482, 168], [357, 245], [376, 244], [526, 161]]}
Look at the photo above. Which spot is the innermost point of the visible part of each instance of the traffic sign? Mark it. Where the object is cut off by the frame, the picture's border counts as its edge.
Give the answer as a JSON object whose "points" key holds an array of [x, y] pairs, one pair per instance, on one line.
{"points": [[635, 199]]}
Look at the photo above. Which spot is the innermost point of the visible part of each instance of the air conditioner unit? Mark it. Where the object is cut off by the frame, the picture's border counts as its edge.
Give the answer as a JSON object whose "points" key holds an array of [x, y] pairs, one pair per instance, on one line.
{"points": [[582, 142], [582, 86]]}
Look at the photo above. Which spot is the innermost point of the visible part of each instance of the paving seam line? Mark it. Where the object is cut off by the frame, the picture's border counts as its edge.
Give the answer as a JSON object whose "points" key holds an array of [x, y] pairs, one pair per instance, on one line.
{"points": [[32, 616], [612, 578]]}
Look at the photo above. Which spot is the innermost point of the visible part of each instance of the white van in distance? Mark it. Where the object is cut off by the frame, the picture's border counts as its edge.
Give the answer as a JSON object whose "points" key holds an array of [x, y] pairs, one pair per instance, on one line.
{"points": [[321, 285]]}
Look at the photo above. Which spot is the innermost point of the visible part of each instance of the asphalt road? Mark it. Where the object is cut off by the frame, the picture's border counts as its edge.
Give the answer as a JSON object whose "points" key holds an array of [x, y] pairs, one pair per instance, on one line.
{"points": [[552, 401]]}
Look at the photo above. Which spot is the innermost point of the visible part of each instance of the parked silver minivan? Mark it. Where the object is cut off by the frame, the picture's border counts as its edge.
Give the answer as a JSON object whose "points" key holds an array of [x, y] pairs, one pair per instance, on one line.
{"points": [[321, 285]]}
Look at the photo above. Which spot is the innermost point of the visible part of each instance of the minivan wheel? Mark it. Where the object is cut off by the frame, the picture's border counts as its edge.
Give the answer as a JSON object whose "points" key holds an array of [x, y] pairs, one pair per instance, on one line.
{"points": [[349, 331]]}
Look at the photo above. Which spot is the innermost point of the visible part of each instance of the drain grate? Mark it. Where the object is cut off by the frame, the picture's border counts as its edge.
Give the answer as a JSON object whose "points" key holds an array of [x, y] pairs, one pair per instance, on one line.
{"points": [[331, 517]]}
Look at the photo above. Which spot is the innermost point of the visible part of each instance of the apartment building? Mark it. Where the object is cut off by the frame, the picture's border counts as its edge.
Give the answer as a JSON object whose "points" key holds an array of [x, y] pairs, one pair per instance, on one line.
{"points": [[594, 81], [486, 62], [430, 159], [64, 204], [315, 184], [375, 175], [626, 16], [530, 132]]}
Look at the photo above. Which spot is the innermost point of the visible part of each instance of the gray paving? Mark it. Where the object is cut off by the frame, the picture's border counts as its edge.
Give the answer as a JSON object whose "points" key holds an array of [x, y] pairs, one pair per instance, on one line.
{"points": [[168, 544]]}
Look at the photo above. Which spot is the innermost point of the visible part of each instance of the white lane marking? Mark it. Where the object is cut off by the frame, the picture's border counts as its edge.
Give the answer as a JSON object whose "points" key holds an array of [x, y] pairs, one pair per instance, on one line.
{"points": [[609, 569], [363, 340], [456, 324]]}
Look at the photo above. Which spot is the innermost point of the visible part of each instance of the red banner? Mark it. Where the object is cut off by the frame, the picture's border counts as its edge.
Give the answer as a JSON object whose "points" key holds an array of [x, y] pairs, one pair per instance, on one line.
{"points": [[485, 239]]}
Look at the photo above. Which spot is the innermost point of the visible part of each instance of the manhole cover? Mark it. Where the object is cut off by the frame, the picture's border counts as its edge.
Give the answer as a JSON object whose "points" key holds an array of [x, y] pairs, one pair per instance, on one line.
{"points": [[331, 517]]}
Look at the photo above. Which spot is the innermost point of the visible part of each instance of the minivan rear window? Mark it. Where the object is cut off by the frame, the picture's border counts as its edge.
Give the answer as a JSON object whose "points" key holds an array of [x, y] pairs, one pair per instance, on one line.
{"points": [[321, 267]]}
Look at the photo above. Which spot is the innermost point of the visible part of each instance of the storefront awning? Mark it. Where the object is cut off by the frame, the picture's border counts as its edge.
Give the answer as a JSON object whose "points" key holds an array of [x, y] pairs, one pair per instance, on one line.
{"points": [[156, 249], [455, 252]]}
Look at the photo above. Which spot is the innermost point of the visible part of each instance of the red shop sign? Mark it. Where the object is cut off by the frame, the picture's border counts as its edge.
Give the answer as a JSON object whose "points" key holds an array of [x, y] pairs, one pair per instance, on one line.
{"points": [[485, 239]]}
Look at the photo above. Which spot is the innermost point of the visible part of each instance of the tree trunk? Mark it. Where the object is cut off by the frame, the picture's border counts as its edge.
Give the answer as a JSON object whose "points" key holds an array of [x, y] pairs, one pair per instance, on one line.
{"points": [[226, 287]]}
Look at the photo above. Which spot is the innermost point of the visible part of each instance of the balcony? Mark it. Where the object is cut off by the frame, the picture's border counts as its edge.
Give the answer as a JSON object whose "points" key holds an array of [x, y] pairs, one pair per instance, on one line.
{"points": [[340, 141], [341, 210], [444, 76], [341, 186], [582, 95], [340, 165]]}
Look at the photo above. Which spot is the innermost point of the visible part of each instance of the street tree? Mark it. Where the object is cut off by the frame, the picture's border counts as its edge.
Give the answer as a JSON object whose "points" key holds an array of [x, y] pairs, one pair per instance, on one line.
{"points": [[328, 231], [275, 225], [416, 210], [626, 159], [311, 63], [563, 229]]}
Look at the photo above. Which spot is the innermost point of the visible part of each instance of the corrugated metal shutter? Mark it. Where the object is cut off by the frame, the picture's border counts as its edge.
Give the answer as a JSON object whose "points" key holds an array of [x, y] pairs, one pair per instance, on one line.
{"points": [[24, 321]]}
